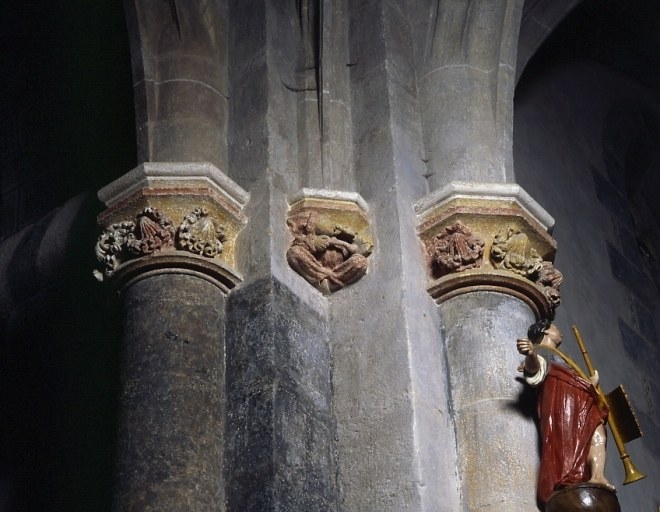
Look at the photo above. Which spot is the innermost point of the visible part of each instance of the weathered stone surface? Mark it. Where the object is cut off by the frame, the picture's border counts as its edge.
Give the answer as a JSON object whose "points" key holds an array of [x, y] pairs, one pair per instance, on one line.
{"points": [[281, 435], [179, 56], [496, 435], [390, 391], [467, 125], [385, 97], [171, 429]]}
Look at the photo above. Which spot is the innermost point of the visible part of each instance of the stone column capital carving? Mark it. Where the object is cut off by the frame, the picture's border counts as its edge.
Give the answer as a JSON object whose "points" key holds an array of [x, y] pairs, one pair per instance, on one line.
{"points": [[331, 238], [491, 237], [171, 217]]}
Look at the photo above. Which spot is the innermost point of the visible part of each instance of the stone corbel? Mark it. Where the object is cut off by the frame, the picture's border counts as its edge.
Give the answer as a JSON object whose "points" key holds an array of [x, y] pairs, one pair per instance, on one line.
{"points": [[489, 237], [168, 217], [332, 239]]}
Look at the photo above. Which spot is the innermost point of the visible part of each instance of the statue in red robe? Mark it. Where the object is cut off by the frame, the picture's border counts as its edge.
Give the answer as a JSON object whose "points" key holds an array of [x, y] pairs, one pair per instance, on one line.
{"points": [[571, 417]]}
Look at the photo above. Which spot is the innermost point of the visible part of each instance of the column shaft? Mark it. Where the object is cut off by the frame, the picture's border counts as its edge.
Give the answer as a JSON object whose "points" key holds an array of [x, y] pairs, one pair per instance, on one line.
{"points": [[171, 432], [466, 79], [179, 58], [396, 446], [497, 469]]}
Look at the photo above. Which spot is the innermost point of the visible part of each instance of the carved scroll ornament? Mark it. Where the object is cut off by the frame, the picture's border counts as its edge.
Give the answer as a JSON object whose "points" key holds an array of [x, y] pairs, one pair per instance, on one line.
{"points": [[329, 256], [111, 247]]}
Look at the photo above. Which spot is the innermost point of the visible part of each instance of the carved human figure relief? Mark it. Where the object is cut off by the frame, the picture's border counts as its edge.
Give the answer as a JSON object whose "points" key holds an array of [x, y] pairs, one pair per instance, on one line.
{"points": [[329, 256], [454, 250]]}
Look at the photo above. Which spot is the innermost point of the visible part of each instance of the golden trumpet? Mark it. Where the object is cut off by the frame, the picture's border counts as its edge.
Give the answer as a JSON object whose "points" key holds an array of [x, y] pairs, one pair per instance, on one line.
{"points": [[621, 419]]}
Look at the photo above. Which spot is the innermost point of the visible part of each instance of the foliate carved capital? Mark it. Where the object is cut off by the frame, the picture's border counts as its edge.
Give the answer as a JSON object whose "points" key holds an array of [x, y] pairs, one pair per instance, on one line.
{"points": [[201, 234], [489, 237], [331, 238], [171, 218]]}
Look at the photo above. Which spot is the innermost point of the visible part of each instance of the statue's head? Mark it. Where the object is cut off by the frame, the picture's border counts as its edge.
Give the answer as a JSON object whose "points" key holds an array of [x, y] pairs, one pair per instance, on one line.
{"points": [[302, 223], [544, 331]]}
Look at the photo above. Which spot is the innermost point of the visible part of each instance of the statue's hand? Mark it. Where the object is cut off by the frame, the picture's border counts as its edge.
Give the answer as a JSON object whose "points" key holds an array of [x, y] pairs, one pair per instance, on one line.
{"points": [[594, 379], [525, 347]]}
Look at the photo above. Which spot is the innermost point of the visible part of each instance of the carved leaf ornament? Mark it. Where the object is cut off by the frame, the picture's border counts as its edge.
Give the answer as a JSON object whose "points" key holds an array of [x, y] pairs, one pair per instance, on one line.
{"points": [[201, 234], [457, 249], [512, 251]]}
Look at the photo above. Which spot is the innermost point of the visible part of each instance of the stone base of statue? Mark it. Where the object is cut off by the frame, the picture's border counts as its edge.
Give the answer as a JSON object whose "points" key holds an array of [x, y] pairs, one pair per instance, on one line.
{"points": [[586, 497]]}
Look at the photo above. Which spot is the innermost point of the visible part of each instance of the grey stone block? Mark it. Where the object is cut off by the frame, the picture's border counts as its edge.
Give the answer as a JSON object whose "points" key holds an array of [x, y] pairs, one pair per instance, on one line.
{"points": [[280, 452]]}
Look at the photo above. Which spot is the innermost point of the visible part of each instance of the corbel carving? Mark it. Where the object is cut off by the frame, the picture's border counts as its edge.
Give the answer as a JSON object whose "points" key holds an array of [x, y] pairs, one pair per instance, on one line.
{"points": [[331, 240], [454, 250], [489, 237], [512, 251], [151, 232], [141, 237], [201, 234]]}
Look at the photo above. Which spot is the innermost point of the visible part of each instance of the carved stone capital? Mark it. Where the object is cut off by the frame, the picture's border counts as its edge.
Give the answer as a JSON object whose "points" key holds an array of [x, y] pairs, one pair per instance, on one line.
{"points": [[489, 237], [331, 238], [168, 217]]}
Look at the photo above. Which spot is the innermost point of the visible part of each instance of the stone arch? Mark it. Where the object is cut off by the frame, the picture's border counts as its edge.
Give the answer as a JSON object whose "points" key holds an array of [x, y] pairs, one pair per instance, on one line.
{"points": [[539, 19]]}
